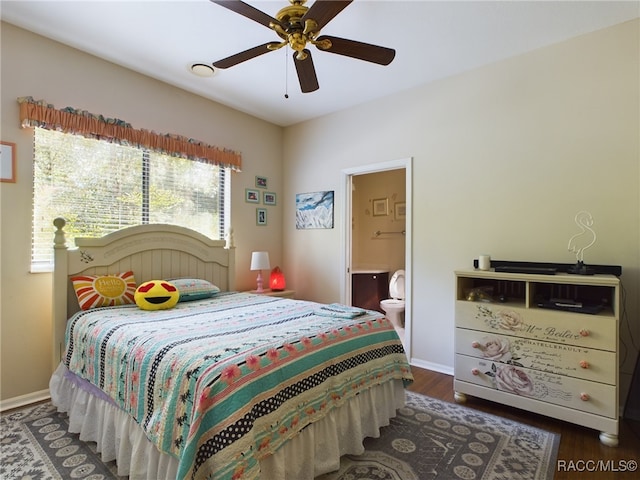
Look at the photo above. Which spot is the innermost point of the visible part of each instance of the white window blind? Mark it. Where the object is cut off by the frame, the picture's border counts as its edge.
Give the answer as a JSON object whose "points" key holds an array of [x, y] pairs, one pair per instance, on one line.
{"points": [[99, 187]]}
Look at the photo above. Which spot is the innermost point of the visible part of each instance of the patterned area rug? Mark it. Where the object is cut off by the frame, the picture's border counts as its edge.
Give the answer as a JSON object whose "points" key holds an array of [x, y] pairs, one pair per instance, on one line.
{"points": [[432, 439], [36, 445], [428, 439]]}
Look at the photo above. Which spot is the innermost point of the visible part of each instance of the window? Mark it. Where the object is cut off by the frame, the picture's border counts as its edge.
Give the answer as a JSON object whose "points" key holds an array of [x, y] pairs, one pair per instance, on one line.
{"points": [[100, 187]]}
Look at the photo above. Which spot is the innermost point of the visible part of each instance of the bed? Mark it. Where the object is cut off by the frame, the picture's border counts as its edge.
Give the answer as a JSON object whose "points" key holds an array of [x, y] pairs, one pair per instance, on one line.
{"points": [[229, 386]]}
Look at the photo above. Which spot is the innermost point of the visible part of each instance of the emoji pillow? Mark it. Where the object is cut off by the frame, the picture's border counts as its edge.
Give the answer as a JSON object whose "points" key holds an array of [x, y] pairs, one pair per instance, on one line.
{"points": [[156, 295]]}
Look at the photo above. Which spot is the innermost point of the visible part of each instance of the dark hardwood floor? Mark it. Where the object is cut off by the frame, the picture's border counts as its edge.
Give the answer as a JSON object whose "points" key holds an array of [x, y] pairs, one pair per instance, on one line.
{"points": [[581, 455]]}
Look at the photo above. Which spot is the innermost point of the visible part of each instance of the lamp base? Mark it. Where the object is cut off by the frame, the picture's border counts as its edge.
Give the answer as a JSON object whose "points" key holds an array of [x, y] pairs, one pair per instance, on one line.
{"points": [[581, 269], [259, 288]]}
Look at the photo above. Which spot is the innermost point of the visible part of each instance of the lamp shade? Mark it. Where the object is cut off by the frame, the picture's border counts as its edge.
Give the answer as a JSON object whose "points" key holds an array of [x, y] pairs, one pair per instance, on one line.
{"points": [[260, 261]]}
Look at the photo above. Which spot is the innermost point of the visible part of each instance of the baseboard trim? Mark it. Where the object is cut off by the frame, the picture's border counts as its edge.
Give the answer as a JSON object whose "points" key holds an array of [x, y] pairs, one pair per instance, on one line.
{"points": [[436, 367], [22, 400]]}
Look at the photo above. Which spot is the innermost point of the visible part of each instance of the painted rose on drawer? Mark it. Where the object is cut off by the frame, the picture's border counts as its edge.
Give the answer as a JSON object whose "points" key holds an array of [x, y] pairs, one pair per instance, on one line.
{"points": [[501, 319], [494, 348], [509, 378]]}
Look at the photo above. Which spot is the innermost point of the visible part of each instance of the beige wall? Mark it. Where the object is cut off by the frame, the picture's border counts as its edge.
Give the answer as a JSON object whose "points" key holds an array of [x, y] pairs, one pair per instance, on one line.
{"points": [[503, 158], [34, 66]]}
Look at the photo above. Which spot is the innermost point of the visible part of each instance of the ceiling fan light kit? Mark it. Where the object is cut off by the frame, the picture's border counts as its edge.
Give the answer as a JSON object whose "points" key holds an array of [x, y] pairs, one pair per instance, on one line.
{"points": [[298, 26]]}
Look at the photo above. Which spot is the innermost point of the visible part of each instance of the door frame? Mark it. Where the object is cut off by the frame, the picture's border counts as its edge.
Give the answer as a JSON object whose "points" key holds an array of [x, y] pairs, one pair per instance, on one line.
{"points": [[347, 185]]}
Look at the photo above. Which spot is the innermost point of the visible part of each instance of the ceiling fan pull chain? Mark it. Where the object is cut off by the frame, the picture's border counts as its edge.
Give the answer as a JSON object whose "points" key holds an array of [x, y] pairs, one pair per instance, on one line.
{"points": [[286, 75]]}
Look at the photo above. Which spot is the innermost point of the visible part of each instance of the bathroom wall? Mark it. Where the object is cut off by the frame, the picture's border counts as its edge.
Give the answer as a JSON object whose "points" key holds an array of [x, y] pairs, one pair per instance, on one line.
{"points": [[376, 200]]}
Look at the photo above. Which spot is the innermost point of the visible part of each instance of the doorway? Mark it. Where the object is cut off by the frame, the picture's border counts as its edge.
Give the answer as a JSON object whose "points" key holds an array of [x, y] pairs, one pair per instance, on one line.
{"points": [[394, 209]]}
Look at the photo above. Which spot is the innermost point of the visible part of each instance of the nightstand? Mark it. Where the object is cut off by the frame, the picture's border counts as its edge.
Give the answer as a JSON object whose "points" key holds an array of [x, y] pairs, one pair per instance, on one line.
{"points": [[275, 293]]}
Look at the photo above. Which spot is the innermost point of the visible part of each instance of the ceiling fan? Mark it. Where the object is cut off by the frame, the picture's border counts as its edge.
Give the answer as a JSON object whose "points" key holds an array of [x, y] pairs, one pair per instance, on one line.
{"points": [[298, 25]]}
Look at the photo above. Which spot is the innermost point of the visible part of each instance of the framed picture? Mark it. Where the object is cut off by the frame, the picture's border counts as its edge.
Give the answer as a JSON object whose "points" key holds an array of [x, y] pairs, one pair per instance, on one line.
{"points": [[269, 198], [314, 210], [251, 196], [261, 182], [7, 162], [400, 210], [380, 207], [261, 216]]}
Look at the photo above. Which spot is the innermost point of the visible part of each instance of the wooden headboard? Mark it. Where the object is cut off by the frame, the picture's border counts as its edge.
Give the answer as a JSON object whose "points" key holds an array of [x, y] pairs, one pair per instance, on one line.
{"points": [[152, 252]]}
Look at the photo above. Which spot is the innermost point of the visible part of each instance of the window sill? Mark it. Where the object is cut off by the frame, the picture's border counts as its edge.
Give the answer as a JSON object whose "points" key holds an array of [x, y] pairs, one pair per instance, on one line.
{"points": [[42, 268]]}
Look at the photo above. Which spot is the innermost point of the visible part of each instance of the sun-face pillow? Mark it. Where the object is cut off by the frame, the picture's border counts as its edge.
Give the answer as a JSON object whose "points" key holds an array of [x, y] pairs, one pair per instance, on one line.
{"points": [[104, 290], [156, 295]]}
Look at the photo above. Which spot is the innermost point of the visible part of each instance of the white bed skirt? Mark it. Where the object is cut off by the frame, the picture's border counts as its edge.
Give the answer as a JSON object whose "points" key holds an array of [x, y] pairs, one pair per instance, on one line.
{"points": [[316, 450]]}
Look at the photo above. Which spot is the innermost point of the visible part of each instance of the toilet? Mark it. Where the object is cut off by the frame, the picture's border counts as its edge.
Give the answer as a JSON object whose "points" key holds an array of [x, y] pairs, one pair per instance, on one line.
{"points": [[394, 306]]}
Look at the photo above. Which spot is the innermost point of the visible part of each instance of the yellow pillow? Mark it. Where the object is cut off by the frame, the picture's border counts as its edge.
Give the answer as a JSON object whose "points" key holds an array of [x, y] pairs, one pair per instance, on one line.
{"points": [[156, 295], [104, 290]]}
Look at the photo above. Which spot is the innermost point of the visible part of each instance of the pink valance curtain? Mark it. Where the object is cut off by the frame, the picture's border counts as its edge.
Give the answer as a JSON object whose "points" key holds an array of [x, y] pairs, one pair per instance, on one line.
{"points": [[38, 113]]}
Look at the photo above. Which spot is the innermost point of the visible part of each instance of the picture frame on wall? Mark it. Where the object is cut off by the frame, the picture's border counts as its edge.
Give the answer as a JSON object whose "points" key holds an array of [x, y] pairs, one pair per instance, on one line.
{"points": [[400, 210], [269, 198], [7, 162], [251, 195], [314, 210], [380, 207], [261, 182], [261, 216]]}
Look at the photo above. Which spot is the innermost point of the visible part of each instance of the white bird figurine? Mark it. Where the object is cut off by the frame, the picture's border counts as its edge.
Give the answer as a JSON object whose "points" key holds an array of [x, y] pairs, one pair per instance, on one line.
{"points": [[582, 240], [584, 220]]}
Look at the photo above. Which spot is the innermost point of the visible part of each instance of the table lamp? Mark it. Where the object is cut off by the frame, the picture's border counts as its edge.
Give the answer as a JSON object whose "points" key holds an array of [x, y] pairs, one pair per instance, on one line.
{"points": [[259, 262]]}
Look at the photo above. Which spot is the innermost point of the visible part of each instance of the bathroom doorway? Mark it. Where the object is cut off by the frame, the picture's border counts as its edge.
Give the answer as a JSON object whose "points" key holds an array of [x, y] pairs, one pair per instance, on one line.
{"points": [[378, 227]]}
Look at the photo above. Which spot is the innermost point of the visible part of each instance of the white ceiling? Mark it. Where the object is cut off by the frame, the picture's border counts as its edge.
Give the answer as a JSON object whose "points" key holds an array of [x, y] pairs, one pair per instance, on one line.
{"points": [[432, 39]]}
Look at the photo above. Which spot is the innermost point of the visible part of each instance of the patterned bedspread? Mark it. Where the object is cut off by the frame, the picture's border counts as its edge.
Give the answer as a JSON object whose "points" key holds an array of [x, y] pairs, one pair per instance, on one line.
{"points": [[223, 382]]}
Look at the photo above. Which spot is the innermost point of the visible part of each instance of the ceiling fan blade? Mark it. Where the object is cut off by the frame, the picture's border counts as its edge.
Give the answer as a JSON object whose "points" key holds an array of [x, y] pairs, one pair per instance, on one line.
{"points": [[306, 72], [359, 50], [248, 11], [244, 56], [323, 11]]}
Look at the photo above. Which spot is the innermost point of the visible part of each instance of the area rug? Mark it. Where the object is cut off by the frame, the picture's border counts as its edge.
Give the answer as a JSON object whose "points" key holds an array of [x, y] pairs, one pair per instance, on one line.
{"points": [[428, 439], [36, 445], [432, 439]]}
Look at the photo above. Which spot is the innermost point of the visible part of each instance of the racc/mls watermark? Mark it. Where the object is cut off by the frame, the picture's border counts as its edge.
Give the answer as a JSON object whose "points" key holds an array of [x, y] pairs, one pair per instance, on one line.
{"points": [[597, 465]]}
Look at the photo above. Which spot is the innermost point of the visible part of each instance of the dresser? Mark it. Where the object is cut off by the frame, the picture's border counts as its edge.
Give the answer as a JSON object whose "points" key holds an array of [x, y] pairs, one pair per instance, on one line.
{"points": [[543, 343]]}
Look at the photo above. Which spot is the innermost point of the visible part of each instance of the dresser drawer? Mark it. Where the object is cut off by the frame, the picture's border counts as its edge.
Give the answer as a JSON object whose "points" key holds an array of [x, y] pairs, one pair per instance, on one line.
{"points": [[592, 331], [547, 387], [579, 362]]}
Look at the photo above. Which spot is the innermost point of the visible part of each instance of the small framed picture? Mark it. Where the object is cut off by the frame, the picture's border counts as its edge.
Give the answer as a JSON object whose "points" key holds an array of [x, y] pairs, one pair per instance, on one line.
{"points": [[251, 196], [400, 210], [7, 162], [261, 216], [380, 207], [261, 182], [269, 198]]}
